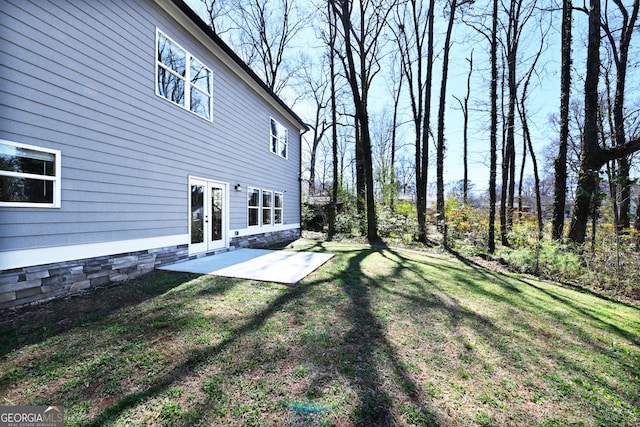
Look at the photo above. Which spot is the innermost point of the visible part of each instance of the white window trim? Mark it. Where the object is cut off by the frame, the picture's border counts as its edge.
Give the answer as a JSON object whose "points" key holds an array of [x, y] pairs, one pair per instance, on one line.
{"points": [[187, 78], [281, 208], [286, 141], [55, 179], [258, 208]]}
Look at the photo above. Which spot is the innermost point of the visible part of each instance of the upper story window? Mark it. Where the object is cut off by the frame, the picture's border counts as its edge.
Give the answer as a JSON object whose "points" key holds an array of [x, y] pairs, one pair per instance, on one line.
{"points": [[29, 176], [279, 139], [181, 78]]}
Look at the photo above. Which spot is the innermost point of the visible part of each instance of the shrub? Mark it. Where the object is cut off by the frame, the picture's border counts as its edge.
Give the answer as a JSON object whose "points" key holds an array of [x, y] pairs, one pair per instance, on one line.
{"points": [[551, 258], [468, 227], [396, 224], [346, 223], [312, 217], [524, 233]]}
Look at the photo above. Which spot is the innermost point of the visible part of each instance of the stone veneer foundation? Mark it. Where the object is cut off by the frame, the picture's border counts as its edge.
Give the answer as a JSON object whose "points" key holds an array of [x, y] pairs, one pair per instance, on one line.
{"points": [[265, 239], [44, 282], [40, 283]]}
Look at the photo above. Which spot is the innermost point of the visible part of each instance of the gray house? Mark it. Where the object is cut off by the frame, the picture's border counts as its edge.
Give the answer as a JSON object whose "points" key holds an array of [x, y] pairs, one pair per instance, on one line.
{"points": [[131, 136]]}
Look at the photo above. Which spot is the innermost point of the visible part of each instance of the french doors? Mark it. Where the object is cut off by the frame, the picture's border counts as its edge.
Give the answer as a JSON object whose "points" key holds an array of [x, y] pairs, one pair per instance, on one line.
{"points": [[207, 215]]}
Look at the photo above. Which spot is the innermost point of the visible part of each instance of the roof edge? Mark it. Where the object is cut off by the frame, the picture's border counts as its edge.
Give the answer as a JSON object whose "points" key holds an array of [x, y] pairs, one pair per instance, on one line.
{"points": [[196, 19]]}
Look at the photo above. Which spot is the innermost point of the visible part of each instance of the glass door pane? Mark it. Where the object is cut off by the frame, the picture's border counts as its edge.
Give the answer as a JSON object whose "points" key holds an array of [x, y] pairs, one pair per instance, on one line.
{"points": [[216, 213], [197, 214]]}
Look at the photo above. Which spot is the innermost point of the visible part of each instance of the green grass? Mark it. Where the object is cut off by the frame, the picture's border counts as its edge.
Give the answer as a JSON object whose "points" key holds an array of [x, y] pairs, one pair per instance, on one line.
{"points": [[376, 336]]}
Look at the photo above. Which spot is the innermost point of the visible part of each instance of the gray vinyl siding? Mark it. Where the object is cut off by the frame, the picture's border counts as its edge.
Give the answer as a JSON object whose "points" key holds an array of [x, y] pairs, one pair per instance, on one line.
{"points": [[79, 76]]}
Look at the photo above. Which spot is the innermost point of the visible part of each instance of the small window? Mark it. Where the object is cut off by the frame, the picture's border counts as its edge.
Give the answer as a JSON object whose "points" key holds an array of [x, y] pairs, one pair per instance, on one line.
{"points": [[253, 206], [181, 78], [277, 207], [29, 176], [279, 139], [267, 206]]}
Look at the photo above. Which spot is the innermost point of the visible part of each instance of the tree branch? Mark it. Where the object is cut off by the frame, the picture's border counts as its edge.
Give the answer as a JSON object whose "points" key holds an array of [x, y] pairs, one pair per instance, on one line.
{"points": [[618, 152]]}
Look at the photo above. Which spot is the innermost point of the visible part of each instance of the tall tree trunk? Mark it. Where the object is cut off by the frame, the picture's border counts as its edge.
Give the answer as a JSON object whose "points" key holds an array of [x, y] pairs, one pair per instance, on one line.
{"points": [[560, 162], [611, 169], [318, 133], [491, 244], [334, 122], [611, 177], [465, 159], [522, 167], [442, 220], [509, 154], [637, 222], [423, 159], [504, 167], [312, 171], [528, 144], [394, 133], [588, 175], [624, 190], [536, 174], [361, 191]]}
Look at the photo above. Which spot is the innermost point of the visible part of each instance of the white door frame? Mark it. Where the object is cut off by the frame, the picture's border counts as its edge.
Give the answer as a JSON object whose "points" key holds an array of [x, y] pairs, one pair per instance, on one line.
{"points": [[201, 219]]}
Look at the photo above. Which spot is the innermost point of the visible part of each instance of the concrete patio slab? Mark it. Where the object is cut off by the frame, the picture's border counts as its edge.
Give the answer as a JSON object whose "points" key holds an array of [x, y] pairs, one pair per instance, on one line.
{"points": [[255, 264]]}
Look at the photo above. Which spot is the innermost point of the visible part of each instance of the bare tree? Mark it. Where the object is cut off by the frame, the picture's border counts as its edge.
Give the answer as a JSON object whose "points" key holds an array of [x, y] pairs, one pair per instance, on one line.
{"points": [[414, 34], [490, 33], [397, 91], [362, 25], [527, 134], [440, 146], [464, 106], [218, 15], [518, 15], [265, 31], [317, 90], [331, 42], [383, 145], [491, 244]]}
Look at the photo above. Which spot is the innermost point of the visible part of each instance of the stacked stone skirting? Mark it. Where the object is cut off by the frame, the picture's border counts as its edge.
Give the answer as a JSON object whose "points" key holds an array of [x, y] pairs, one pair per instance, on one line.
{"points": [[265, 239], [44, 282]]}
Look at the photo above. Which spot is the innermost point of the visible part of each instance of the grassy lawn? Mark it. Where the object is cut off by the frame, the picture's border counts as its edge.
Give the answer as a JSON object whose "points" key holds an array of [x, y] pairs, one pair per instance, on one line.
{"points": [[374, 337]]}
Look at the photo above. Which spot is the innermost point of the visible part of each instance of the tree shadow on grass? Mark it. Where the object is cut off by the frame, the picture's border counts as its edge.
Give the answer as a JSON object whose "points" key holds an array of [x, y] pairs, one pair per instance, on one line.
{"points": [[362, 348], [469, 262], [573, 305], [509, 293], [33, 324], [197, 357], [511, 344], [366, 344]]}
